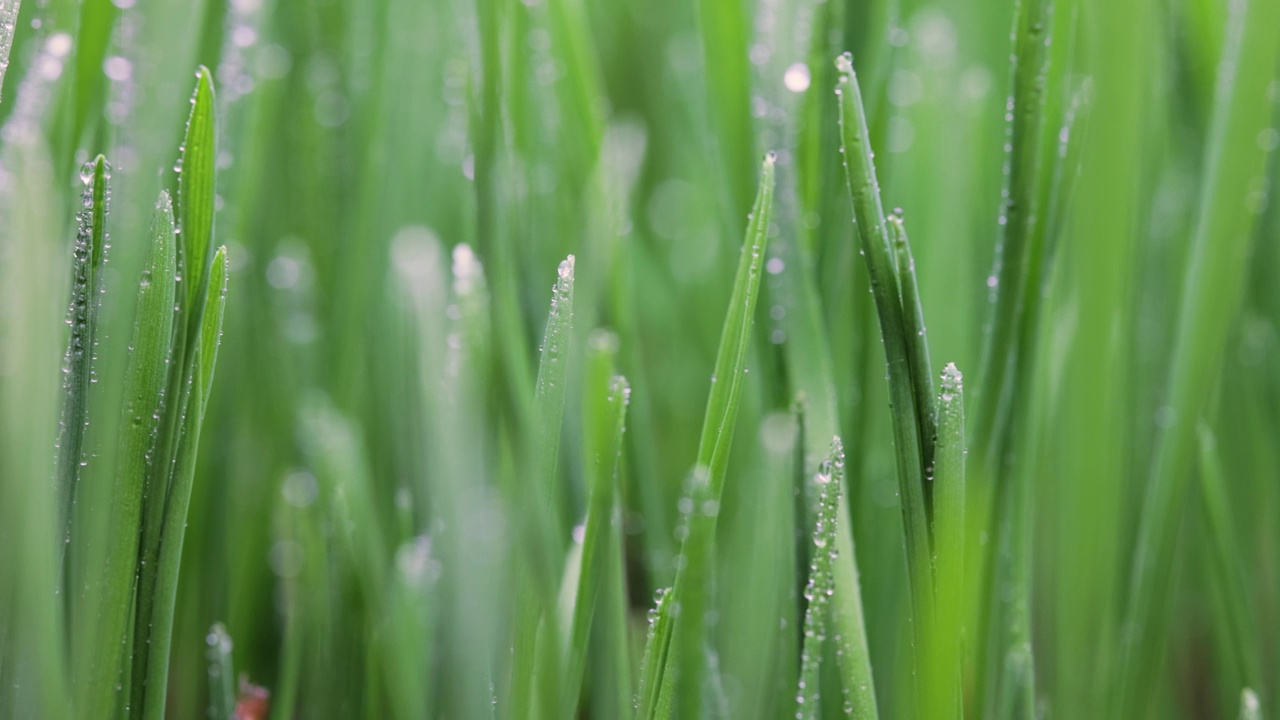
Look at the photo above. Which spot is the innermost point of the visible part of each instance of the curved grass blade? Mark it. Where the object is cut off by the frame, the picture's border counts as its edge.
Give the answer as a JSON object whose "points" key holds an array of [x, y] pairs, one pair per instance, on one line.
{"points": [[949, 508], [917, 348], [158, 624], [144, 393], [650, 702], [88, 257], [196, 190], [690, 590], [864, 190], [1211, 294], [821, 586], [603, 417]]}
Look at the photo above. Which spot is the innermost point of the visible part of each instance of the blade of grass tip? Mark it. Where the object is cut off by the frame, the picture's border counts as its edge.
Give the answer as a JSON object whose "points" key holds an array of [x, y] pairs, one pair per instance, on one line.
{"points": [[694, 563], [1211, 291], [1228, 573], [549, 395], [1250, 707], [88, 257], [653, 666], [821, 584], [196, 190], [159, 623], [949, 500], [917, 349], [222, 692], [864, 191], [604, 413]]}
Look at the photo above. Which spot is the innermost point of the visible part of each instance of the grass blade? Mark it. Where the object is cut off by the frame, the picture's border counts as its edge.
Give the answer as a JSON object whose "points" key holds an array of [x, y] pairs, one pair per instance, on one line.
{"points": [[196, 190], [222, 692], [603, 417], [917, 348], [8, 21], [657, 657], [869, 216], [144, 393], [821, 585], [89, 255], [949, 532], [1250, 707], [690, 590]]}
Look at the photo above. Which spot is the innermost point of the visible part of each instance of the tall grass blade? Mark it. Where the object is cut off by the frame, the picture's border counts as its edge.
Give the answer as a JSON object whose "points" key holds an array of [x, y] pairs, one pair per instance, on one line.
{"points": [[222, 688], [690, 592], [1210, 299], [945, 694], [864, 191], [917, 348]]}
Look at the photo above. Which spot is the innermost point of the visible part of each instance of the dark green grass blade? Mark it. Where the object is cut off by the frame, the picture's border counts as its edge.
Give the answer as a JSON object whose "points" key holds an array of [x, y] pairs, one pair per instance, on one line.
{"points": [[864, 191], [917, 348], [144, 388], [603, 417], [693, 573], [158, 624], [1210, 297], [821, 586], [949, 532], [88, 256]]}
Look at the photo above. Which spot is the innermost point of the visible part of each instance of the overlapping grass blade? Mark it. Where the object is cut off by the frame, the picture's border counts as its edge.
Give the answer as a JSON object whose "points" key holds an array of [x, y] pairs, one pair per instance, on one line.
{"points": [[864, 192], [687, 653], [1210, 299], [917, 348], [604, 413]]}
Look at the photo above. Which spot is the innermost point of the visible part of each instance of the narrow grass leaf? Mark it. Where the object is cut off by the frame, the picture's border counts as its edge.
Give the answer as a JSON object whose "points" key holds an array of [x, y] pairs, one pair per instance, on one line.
{"points": [[917, 348], [656, 660], [8, 21], [222, 689], [949, 533], [604, 413], [692, 575], [864, 191], [196, 190], [821, 584], [88, 257]]}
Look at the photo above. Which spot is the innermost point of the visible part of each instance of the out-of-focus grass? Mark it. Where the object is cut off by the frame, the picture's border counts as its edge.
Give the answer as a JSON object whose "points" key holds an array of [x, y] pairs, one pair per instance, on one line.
{"points": [[402, 506]]}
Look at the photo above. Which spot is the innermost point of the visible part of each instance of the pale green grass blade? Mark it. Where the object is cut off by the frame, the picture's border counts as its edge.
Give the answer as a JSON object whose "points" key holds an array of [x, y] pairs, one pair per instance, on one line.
{"points": [[1210, 300], [604, 414], [657, 661], [1250, 707], [820, 589], [88, 258], [8, 21], [222, 688], [690, 592], [945, 696], [864, 191], [196, 190]]}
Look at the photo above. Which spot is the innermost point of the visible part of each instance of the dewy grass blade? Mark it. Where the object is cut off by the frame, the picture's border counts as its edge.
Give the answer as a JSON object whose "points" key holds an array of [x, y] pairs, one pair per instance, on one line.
{"points": [[196, 190], [222, 693], [692, 576], [549, 394], [821, 588], [1210, 297], [654, 664], [144, 389], [917, 348], [158, 624], [603, 417], [8, 22], [949, 533], [864, 191], [88, 257]]}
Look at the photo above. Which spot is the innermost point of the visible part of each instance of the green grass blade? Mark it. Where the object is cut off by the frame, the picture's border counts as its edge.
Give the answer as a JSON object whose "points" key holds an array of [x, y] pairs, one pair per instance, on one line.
{"points": [[820, 589], [196, 190], [864, 191], [8, 21], [949, 532], [917, 347], [603, 416], [1250, 707], [222, 688], [158, 622], [549, 397], [690, 590], [88, 257], [144, 392], [1210, 298], [656, 660]]}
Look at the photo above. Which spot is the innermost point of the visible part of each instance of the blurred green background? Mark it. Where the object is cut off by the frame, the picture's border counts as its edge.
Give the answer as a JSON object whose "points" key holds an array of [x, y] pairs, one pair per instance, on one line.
{"points": [[353, 521]]}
